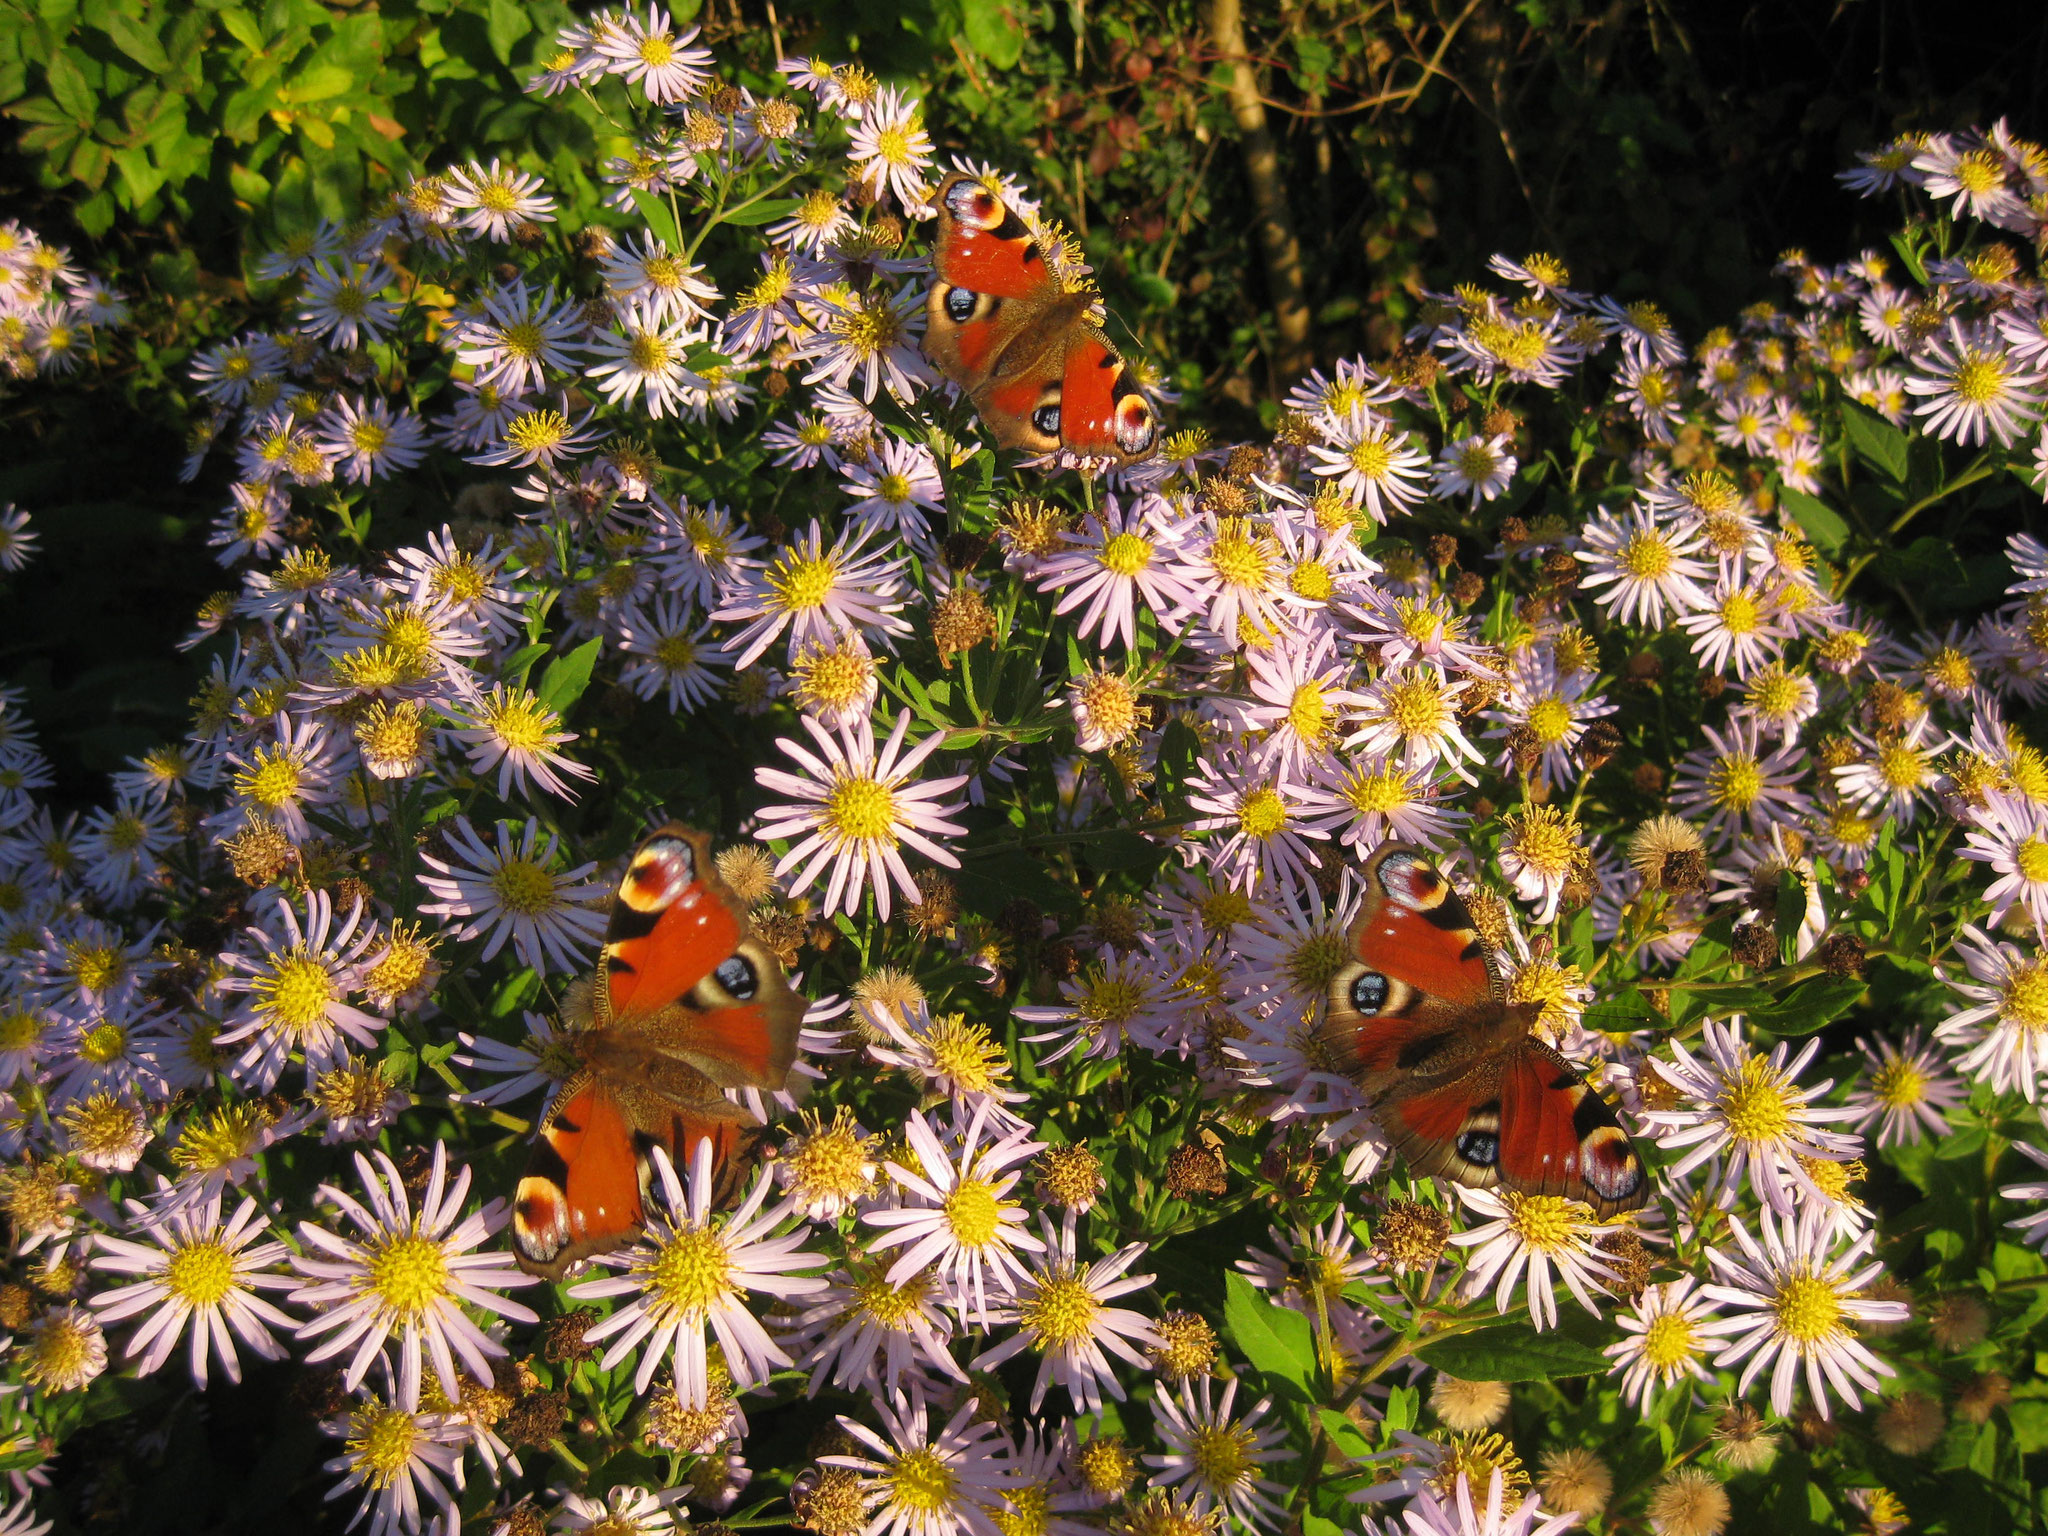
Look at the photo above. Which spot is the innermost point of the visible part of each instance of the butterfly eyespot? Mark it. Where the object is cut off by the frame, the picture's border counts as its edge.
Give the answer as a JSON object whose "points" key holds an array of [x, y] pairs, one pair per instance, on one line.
{"points": [[1137, 429], [737, 976], [1480, 1148], [661, 871], [972, 203], [1369, 992], [960, 305], [1046, 419]]}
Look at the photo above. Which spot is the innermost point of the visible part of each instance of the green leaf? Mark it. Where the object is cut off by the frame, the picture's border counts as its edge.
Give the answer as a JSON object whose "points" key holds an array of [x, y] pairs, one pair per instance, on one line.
{"points": [[992, 31], [506, 22], [1875, 441], [767, 211], [1118, 849], [660, 218], [1346, 1436], [1622, 1014], [1813, 1004], [567, 676], [1276, 1340], [1404, 1409], [68, 88], [320, 83], [1515, 1352], [1790, 913], [1154, 290], [135, 40], [1820, 522]]}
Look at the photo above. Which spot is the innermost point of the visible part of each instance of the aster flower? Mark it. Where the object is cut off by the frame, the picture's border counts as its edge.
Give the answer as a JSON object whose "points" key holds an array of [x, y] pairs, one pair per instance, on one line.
{"points": [[1477, 467], [2010, 833], [1897, 774], [650, 54], [1904, 1090], [199, 1271], [1752, 1111], [1536, 1234], [402, 1458], [1371, 462], [894, 490], [891, 150], [1410, 714], [1215, 1456], [495, 201], [1061, 1312], [1970, 387], [296, 978], [512, 730], [512, 893], [958, 1218], [691, 1272], [278, 780], [856, 809], [873, 334], [1117, 996], [644, 355], [1646, 565], [1266, 814], [641, 273], [873, 1336], [1664, 1341], [341, 306], [1736, 785], [1794, 1303], [2006, 1028], [914, 1482], [814, 594], [407, 1273], [1124, 556]]}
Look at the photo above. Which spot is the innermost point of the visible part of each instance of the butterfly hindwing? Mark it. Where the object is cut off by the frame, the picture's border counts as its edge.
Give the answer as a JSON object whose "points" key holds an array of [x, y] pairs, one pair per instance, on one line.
{"points": [[1559, 1137]]}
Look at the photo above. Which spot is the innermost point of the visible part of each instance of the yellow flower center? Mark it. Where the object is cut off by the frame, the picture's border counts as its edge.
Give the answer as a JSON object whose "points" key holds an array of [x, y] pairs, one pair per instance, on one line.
{"points": [[1416, 706], [409, 1274], [1125, 554], [1551, 720], [921, 1482], [1754, 1104], [105, 1042], [1061, 1312], [380, 1443], [1311, 963], [1646, 555], [1901, 768], [536, 431], [1372, 458], [1109, 999], [1978, 380], [1739, 613], [1262, 813], [1377, 791], [1734, 782], [1669, 1341], [1309, 714], [1808, 1310], [201, 1274], [1898, 1083], [800, 582], [272, 780], [296, 991], [657, 51], [861, 810], [973, 1213], [1542, 1222], [520, 721], [891, 1305], [691, 1273], [2025, 998], [2031, 859], [1221, 1454], [1239, 557], [523, 888]]}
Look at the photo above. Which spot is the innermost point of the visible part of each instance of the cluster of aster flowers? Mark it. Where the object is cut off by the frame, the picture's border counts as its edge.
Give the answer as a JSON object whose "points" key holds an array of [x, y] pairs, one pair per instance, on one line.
{"points": [[1052, 783], [50, 307]]}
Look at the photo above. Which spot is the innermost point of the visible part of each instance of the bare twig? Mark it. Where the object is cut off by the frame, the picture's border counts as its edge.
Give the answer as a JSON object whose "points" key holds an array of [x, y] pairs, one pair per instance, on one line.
{"points": [[1282, 249]]}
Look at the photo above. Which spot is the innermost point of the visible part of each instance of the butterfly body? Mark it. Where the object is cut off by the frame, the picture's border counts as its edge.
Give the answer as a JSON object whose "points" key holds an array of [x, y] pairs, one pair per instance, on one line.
{"points": [[1462, 1087], [686, 1003], [1026, 349]]}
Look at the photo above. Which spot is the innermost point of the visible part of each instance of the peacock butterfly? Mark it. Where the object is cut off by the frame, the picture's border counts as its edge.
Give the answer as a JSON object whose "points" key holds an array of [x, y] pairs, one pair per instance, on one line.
{"points": [[1420, 1020], [687, 1002], [1022, 344]]}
